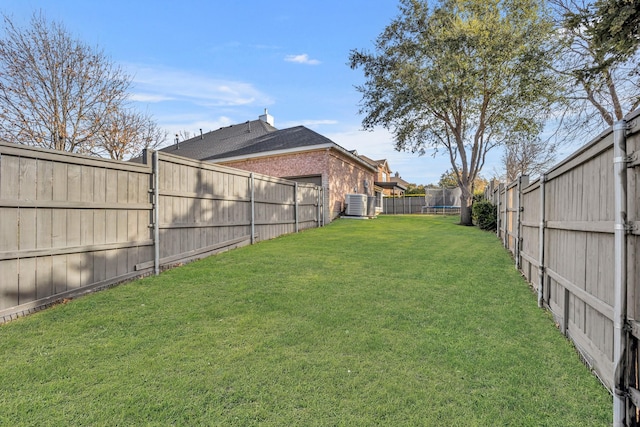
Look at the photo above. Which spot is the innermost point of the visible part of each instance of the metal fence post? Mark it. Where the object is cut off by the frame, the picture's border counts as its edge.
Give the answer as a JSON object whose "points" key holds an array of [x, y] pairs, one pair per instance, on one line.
{"points": [[523, 181], [324, 207], [156, 214], [295, 196], [505, 221], [541, 244], [253, 208], [516, 249], [620, 270], [498, 219], [318, 194]]}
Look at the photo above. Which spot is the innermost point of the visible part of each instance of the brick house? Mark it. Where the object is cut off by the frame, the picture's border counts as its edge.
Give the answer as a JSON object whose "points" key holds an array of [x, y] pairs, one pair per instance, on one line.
{"points": [[385, 184], [297, 153]]}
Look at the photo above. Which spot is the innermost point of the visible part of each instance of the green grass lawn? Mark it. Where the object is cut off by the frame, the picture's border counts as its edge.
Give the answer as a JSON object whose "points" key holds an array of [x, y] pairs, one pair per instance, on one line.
{"points": [[398, 321]]}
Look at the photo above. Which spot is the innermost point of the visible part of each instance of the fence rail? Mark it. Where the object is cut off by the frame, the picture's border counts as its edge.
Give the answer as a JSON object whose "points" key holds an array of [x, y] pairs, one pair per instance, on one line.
{"points": [[574, 236], [70, 224]]}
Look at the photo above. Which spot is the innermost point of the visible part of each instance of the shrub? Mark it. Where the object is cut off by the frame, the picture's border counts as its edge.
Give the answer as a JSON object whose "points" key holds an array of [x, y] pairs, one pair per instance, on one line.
{"points": [[484, 215]]}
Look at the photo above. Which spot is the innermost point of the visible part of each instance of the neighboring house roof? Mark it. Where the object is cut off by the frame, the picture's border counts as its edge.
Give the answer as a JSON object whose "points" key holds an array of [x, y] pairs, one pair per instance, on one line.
{"points": [[255, 139], [220, 141], [399, 180], [278, 141], [377, 163], [391, 185]]}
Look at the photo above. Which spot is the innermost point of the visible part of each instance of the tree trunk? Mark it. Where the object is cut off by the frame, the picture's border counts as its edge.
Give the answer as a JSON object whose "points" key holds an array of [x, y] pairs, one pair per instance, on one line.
{"points": [[465, 205]]}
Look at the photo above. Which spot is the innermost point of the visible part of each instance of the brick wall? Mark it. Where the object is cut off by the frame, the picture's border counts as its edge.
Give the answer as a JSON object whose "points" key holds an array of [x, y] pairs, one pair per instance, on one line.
{"points": [[340, 174], [346, 178]]}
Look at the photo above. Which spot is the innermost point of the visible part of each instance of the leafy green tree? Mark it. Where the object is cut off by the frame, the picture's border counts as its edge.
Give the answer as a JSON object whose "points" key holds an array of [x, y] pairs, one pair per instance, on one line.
{"points": [[449, 180], [414, 189], [616, 27], [599, 61], [463, 78]]}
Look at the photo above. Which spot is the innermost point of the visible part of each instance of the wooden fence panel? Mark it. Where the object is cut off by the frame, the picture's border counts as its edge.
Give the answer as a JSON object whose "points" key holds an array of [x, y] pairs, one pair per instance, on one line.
{"points": [[511, 211], [530, 225], [274, 206], [71, 224], [574, 263], [502, 214], [580, 262], [58, 211], [202, 208], [308, 198]]}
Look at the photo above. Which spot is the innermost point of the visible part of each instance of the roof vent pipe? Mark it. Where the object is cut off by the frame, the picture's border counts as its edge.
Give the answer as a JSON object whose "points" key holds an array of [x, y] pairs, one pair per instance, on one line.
{"points": [[201, 137]]}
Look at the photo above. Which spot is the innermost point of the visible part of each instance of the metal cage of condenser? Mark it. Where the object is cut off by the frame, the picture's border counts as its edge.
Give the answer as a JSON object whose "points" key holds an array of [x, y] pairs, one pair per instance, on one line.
{"points": [[356, 205]]}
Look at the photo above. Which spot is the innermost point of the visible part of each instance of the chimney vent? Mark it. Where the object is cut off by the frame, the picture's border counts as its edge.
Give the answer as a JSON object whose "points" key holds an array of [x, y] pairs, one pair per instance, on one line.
{"points": [[266, 117]]}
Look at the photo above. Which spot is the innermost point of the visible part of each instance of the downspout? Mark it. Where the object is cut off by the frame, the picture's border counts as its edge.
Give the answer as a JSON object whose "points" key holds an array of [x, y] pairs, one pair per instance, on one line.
{"points": [[156, 214], [543, 224], [253, 209], [620, 270]]}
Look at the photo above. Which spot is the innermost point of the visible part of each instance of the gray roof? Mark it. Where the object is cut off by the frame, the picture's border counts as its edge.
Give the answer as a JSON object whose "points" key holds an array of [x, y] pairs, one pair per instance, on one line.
{"points": [[285, 139], [253, 138], [220, 141]]}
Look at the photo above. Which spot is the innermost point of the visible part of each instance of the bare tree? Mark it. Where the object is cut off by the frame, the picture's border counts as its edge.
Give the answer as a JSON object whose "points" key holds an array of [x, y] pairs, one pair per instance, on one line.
{"points": [[126, 133], [183, 135], [602, 85], [528, 157], [55, 91]]}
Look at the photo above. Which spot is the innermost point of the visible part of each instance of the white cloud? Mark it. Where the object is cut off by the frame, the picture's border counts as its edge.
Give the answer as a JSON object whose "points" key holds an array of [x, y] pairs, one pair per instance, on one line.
{"points": [[301, 59], [149, 97], [307, 123], [158, 84]]}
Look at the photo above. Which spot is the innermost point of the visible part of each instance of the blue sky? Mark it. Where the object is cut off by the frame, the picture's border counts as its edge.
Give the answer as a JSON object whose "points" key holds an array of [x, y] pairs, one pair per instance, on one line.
{"points": [[207, 64]]}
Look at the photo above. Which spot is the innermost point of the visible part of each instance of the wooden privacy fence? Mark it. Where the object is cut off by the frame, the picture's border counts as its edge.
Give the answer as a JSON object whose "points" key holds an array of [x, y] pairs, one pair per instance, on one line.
{"points": [[575, 236], [402, 205], [417, 205], [70, 224]]}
